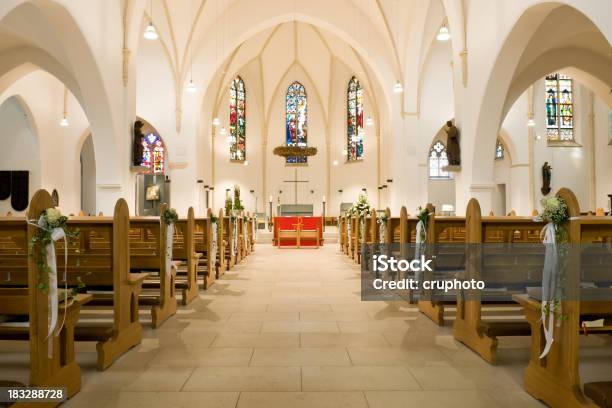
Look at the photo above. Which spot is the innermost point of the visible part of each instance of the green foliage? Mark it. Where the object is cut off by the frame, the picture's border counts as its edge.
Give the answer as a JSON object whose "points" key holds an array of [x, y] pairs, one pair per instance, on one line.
{"points": [[361, 208], [169, 216], [555, 210], [237, 206], [213, 218], [37, 247]]}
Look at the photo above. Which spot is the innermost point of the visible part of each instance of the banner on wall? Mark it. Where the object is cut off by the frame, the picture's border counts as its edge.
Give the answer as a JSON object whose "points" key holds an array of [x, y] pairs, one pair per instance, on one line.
{"points": [[16, 185]]}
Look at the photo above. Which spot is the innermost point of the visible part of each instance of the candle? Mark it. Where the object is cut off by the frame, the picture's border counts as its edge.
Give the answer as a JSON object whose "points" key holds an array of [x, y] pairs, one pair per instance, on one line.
{"points": [[271, 199], [323, 198]]}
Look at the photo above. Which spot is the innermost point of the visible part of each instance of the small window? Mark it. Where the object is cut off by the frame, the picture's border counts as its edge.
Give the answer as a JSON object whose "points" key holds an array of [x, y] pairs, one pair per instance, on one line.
{"points": [[437, 161]]}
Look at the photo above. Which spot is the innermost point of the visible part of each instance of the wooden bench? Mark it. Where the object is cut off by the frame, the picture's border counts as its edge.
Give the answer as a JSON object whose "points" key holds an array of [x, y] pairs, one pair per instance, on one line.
{"points": [[229, 255], [148, 254], [342, 232], [511, 266], [208, 264], [98, 258], [60, 368], [447, 235], [183, 251], [555, 379]]}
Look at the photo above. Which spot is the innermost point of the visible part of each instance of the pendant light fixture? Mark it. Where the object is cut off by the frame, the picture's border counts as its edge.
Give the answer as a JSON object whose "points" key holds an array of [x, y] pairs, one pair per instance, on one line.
{"points": [[531, 123], [369, 121], [64, 121], [443, 33], [216, 122], [398, 88], [150, 32]]}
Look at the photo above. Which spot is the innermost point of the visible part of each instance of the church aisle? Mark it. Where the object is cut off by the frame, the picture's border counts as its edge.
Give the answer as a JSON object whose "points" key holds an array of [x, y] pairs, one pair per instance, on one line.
{"points": [[286, 328]]}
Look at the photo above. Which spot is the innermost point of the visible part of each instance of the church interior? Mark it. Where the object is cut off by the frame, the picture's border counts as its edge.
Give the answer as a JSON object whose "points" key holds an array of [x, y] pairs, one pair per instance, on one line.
{"points": [[192, 193]]}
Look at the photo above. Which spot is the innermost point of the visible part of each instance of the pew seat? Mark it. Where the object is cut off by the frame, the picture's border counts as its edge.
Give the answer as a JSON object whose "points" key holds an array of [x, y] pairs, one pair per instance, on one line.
{"points": [[600, 393]]}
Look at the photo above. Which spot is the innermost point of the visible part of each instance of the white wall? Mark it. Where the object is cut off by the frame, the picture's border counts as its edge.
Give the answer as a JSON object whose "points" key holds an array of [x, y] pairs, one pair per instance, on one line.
{"points": [[571, 164], [58, 149]]}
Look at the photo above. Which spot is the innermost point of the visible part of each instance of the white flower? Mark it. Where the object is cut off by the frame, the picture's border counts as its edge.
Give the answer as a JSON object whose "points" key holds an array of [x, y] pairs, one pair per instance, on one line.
{"points": [[53, 216]]}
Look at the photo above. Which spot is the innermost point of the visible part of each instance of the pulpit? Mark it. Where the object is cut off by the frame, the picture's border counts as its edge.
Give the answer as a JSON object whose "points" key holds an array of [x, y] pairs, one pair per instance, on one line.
{"points": [[298, 232]]}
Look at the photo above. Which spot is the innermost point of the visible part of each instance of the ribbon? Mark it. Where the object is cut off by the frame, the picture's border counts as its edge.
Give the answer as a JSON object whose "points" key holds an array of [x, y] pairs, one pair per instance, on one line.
{"points": [[549, 284], [169, 244], [382, 230], [235, 238], [53, 298], [213, 256]]}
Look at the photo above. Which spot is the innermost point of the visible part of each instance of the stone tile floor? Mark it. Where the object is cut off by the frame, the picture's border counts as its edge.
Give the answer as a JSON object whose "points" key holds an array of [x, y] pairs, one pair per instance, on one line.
{"points": [[286, 328]]}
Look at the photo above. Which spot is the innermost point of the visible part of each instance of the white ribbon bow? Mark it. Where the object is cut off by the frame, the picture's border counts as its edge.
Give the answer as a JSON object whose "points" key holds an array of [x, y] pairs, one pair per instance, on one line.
{"points": [[169, 244], [213, 256], [53, 298], [549, 284], [421, 235]]}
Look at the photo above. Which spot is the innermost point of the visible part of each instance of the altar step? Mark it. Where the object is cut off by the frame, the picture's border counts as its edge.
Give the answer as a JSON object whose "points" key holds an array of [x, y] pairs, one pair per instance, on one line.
{"points": [[330, 235]]}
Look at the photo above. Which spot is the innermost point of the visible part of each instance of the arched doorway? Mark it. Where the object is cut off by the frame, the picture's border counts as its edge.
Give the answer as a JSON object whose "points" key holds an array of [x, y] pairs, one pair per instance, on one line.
{"points": [[152, 183]]}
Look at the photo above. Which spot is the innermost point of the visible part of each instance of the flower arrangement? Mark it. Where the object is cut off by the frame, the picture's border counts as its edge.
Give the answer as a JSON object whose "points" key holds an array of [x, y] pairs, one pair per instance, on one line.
{"points": [[50, 220], [228, 206], [423, 217], [237, 203], [361, 208], [169, 216], [555, 210]]}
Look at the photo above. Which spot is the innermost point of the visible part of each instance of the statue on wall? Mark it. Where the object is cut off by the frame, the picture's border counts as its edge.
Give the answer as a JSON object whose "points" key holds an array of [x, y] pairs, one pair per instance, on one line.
{"points": [[546, 176], [137, 143], [453, 151]]}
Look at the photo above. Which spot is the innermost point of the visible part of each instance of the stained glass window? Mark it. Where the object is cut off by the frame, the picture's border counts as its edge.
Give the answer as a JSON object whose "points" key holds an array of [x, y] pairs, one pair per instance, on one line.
{"points": [[438, 160], [238, 120], [499, 150], [559, 108], [354, 120], [296, 124], [153, 153]]}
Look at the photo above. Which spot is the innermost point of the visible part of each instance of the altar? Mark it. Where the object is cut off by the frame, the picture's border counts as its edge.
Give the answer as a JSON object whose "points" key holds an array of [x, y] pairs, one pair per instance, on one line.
{"points": [[297, 232]]}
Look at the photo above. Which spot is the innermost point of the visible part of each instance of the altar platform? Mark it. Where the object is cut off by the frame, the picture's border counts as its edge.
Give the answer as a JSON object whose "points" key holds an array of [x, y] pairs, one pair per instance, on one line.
{"points": [[298, 232]]}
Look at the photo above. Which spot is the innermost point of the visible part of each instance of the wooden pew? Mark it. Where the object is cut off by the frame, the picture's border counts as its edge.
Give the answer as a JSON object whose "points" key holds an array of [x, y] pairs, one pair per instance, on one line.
{"points": [[98, 258], [250, 227], [229, 255], [207, 265], [60, 369], [221, 261], [469, 328], [442, 230], [148, 254], [342, 232], [555, 379], [184, 251]]}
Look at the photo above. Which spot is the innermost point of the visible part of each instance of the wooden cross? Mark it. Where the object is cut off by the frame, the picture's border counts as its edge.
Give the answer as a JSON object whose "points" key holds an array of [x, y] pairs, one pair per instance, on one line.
{"points": [[295, 181]]}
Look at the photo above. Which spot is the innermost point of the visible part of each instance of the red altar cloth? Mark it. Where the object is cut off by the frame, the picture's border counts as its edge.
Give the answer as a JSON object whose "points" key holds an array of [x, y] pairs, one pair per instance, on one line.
{"points": [[290, 223]]}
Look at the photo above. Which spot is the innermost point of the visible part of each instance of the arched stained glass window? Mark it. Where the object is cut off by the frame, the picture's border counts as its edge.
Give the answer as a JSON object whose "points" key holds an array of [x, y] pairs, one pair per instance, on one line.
{"points": [[559, 108], [499, 150], [438, 160], [296, 122], [238, 120], [354, 120], [153, 154]]}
